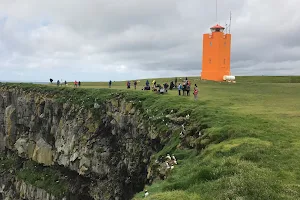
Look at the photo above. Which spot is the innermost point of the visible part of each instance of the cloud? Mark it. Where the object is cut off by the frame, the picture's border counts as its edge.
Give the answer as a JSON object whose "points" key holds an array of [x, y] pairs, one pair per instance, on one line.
{"points": [[102, 40]]}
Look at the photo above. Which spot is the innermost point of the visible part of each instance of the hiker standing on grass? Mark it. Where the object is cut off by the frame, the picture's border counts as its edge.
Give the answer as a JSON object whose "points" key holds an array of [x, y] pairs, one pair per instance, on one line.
{"points": [[154, 84], [79, 83], [109, 84], [166, 87], [128, 84], [195, 92], [179, 89], [183, 87], [58, 83], [135, 83], [188, 88], [171, 85]]}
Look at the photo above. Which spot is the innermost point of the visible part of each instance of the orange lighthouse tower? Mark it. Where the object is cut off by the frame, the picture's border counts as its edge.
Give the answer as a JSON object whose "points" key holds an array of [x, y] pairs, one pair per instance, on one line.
{"points": [[216, 54]]}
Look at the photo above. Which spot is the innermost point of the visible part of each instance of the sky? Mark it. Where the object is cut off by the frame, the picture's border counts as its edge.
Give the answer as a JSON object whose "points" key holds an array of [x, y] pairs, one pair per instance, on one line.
{"points": [[101, 40]]}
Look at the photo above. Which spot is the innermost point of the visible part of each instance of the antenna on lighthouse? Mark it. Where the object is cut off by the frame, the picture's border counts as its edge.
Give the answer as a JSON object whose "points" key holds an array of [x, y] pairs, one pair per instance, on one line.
{"points": [[230, 22], [217, 11]]}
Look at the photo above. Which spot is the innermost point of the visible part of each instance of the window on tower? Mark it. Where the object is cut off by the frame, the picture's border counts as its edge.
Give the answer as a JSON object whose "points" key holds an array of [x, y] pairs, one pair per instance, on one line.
{"points": [[209, 61], [210, 43]]}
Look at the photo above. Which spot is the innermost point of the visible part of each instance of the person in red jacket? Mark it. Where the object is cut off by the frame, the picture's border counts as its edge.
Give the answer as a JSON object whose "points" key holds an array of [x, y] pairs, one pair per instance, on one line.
{"points": [[195, 92]]}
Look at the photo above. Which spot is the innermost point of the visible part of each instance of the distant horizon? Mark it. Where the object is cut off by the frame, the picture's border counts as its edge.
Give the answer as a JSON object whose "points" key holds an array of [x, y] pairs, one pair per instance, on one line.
{"points": [[45, 82]]}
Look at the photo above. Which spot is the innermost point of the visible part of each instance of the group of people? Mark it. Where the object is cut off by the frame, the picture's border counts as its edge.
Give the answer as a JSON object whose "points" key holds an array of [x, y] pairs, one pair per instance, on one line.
{"points": [[159, 88], [129, 83], [185, 87], [77, 84], [60, 83]]}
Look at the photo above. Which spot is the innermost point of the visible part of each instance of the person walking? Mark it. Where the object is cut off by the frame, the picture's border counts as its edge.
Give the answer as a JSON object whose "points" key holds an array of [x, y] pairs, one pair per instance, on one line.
{"points": [[195, 92], [128, 84], [109, 84], [135, 83], [188, 88], [179, 89]]}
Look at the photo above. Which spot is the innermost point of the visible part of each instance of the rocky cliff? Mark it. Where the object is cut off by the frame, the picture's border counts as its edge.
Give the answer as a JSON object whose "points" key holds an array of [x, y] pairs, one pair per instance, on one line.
{"points": [[55, 147]]}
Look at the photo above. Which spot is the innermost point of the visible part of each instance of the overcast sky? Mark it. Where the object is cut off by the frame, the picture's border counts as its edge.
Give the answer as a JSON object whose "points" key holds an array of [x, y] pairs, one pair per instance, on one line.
{"points": [[99, 40]]}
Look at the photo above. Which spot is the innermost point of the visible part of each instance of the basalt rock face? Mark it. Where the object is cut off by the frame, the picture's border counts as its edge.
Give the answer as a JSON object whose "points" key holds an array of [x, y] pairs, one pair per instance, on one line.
{"points": [[108, 149], [12, 188]]}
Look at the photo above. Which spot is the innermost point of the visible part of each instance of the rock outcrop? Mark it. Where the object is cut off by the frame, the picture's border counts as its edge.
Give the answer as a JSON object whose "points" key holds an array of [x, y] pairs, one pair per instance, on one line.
{"points": [[9, 186], [109, 146]]}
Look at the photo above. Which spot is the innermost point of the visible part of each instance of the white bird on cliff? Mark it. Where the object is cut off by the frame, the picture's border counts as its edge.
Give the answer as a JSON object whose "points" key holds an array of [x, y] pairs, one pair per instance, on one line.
{"points": [[173, 157], [168, 166], [181, 134], [146, 193], [168, 157]]}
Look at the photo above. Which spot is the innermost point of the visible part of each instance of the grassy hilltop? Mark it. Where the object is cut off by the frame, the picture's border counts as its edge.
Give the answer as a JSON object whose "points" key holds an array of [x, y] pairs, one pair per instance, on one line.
{"points": [[253, 139], [250, 131]]}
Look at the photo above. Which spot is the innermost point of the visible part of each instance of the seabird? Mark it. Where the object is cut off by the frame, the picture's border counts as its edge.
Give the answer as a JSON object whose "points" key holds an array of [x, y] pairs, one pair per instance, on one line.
{"points": [[183, 127], [168, 157], [181, 134], [168, 166], [173, 157], [146, 193]]}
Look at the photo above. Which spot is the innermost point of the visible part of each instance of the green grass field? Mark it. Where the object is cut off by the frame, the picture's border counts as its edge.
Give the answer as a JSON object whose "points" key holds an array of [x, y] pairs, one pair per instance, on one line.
{"points": [[252, 139]]}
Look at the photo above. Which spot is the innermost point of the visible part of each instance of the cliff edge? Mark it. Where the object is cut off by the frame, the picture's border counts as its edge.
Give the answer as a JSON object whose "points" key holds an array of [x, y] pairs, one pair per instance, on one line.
{"points": [[67, 144]]}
